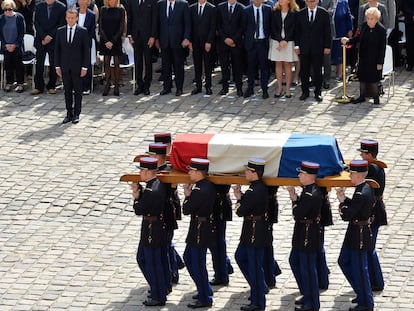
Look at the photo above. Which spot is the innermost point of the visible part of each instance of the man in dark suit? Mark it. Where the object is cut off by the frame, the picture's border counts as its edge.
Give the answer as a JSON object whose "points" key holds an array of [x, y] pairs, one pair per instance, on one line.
{"points": [[49, 16], [142, 31], [87, 19], [312, 40], [256, 43], [203, 36], [174, 35], [230, 28], [72, 60]]}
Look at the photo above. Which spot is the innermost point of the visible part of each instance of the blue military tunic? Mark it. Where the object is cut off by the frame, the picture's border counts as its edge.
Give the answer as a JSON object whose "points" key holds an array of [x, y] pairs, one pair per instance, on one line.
{"points": [[306, 243]]}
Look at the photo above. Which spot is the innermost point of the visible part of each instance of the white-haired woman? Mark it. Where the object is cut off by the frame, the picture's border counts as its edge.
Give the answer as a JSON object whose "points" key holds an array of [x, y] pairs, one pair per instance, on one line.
{"points": [[372, 43]]}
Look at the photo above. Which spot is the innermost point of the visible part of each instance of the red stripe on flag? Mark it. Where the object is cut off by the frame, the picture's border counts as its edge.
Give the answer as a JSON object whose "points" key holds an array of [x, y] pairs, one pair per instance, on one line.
{"points": [[187, 146]]}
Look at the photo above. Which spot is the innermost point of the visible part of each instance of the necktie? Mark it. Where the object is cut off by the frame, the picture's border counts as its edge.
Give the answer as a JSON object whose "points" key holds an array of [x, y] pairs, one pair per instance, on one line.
{"points": [[49, 9], [70, 35], [170, 10], [200, 10], [311, 19], [257, 23], [230, 10]]}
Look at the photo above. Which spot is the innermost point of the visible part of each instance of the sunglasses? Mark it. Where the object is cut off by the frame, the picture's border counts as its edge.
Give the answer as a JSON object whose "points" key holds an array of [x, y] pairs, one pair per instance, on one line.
{"points": [[7, 10]]}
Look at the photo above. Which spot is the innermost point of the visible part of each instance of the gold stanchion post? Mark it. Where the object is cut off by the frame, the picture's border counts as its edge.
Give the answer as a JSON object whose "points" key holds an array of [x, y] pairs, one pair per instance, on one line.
{"points": [[344, 99]]}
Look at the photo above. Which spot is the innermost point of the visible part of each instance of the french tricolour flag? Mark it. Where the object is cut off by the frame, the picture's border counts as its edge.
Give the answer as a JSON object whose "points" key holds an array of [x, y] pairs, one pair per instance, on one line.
{"points": [[283, 152]]}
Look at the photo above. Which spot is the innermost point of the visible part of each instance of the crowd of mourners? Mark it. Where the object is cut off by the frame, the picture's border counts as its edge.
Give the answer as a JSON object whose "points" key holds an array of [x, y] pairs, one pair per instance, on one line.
{"points": [[245, 38]]}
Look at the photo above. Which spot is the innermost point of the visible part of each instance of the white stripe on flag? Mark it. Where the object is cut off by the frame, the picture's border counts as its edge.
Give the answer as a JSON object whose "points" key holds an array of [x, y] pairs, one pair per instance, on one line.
{"points": [[228, 153]]}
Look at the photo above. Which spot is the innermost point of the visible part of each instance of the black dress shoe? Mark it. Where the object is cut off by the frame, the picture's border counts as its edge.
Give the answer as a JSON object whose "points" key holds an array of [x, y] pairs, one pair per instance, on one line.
{"points": [[138, 91], [209, 91], [165, 91], [376, 102], [248, 93], [196, 91], [304, 96], [250, 308], [265, 95], [361, 308], [375, 288], [67, 119], [216, 282], [239, 92], [358, 100], [153, 303], [304, 308], [146, 92], [75, 119], [300, 301], [179, 93], [199, 304], [223, 91], [318, 98]]}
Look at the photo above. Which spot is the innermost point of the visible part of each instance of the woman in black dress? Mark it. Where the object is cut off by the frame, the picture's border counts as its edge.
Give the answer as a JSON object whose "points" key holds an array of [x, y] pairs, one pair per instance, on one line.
{"points": [[111, 28], [372, 43]]}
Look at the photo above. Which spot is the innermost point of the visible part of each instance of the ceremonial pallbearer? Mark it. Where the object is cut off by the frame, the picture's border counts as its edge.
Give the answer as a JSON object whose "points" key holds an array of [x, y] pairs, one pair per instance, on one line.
{"points": [[353, 258], [369, 151], [255, 235], [199, 203], [306, 236], [150, 203]]}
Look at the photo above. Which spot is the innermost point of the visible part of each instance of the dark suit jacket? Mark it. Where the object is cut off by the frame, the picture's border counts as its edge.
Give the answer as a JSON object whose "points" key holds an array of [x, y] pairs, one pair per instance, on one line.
{"points": [[90, 23], [75, 55], [230, 27], [312, 38], [289, 25], [47, 26], [203, 28], [174, 29], [142, 19], [250, 24]]}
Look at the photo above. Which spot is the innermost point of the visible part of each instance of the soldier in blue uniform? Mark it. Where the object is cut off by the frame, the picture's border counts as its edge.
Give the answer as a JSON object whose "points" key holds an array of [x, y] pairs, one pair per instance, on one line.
{"points": [[199, 204], [270, 266], [306, 235], [255, 236], [369, 151], [353, 258], [325, 221], [222, 213], [172, 209], [150, 203]]}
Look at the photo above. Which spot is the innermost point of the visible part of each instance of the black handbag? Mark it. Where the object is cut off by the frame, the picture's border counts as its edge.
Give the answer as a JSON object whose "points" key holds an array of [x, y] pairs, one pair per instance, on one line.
{"points": [[124, 59]]}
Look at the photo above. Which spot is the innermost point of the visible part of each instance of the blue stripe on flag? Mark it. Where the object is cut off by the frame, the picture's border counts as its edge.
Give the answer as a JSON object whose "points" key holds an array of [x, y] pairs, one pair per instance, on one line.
{"points": [[316, 148]]}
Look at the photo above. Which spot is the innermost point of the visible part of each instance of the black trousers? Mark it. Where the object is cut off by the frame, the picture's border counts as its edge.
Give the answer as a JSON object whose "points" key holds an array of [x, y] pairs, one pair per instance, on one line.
{"points": [[257, 58], [14, 67], [72, 83], [200, 57], [409, 34], [311, 66], [173, 57], [143, 63], [40, 66], [234, 57]]}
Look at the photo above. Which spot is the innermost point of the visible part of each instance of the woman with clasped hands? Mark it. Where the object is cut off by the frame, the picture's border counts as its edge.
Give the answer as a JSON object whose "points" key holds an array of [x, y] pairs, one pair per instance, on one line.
{"points": [[372, 42]]}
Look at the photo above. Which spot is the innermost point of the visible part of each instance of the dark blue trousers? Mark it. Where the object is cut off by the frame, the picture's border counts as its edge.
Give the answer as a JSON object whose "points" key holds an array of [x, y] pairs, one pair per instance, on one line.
{"points": [[269, 266], [354, 265], [195, 260], [303, 265], [173, 257], [322, 267], [250, 261], [221, 263], [257, 58], [374, 267], [150, 262]]}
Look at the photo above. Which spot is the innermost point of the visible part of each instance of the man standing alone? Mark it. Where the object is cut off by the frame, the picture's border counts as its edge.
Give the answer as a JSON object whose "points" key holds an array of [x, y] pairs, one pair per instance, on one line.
{"points": [[72, 60], [312, 40]]}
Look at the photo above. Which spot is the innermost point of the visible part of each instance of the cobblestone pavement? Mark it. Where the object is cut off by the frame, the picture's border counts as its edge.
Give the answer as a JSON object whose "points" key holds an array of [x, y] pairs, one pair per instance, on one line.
{"points": [[68, 234]]}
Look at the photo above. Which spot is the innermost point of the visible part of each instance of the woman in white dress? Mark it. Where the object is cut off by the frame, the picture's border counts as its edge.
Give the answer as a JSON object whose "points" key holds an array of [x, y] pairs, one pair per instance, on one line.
{"points": [[282, 42]]}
